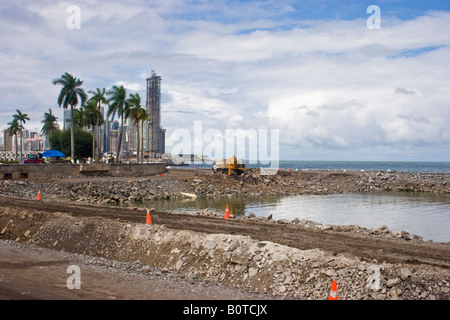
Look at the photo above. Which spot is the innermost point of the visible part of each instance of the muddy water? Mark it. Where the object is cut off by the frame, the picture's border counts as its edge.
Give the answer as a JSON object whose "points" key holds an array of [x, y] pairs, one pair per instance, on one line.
{"points": [[425, 215]]}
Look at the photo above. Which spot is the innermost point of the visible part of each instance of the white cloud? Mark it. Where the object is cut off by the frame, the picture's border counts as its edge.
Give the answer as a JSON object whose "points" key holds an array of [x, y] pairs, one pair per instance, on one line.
{"points": [[326, 84], [131, 86]]}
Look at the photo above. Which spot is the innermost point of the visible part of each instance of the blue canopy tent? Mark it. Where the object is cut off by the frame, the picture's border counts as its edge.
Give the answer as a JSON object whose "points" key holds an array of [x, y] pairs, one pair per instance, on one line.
{"points": [[52, 154]]}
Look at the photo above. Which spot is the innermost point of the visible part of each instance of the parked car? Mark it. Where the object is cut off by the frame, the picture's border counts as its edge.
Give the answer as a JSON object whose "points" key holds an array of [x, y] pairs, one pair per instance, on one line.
{"points": [[34, 158]]}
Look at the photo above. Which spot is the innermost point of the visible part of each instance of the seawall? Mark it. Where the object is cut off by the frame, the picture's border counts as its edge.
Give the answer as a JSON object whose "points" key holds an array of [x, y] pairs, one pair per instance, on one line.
{"points": [[49, 171]]}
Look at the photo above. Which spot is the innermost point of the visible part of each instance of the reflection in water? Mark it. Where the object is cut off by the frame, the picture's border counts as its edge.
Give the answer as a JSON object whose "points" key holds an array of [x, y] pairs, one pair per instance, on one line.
{"points": [[426, 215], [238, 206]]}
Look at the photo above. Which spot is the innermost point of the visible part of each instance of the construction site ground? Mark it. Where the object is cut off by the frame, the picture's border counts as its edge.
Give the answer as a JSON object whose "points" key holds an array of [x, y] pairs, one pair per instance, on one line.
{"points": [[30, 271]]}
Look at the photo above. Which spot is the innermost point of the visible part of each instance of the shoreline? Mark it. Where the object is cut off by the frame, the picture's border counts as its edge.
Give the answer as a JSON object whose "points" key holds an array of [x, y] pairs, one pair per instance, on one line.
{"points": [[349, 165], [184, 183]]}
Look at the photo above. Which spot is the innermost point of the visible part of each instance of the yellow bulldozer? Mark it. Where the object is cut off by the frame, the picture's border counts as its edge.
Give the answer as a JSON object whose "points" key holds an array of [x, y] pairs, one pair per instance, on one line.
{"points": [[229, 166]]}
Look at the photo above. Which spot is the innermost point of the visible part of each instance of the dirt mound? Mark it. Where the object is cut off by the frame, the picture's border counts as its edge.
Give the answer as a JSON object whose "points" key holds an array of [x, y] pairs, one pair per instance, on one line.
{"points": [[233, 259]]}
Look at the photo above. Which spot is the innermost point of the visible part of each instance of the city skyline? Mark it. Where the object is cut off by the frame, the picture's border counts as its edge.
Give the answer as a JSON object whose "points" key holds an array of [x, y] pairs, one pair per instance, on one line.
{"points": [[322, 73]]}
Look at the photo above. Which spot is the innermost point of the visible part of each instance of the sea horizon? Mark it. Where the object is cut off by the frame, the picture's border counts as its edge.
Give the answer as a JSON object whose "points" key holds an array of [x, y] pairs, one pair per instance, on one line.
{"points": [[360, 165]]}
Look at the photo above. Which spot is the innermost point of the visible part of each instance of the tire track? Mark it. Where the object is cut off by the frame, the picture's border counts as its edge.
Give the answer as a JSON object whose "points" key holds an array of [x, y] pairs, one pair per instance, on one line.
{"points": [[366, 247]]}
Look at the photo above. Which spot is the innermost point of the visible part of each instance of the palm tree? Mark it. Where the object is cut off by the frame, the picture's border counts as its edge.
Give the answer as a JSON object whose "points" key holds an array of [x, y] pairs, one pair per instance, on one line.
{"points": [[50, 123], [144, 117], [137, 115], [79, 118], [117, 105], [68, 96], [21, 118], [14, 129], [92, 118], [99, 97]]}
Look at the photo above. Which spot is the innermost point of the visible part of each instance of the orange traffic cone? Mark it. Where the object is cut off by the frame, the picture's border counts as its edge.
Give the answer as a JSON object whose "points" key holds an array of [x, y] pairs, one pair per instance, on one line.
{"points": [[333, 291], [149, 219], [227, 213], [38, 195]]}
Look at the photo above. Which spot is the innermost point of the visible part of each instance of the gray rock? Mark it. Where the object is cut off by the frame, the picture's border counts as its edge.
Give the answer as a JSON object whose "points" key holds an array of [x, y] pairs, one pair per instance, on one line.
{"points": [[234, 245], [392, 282], [374, 279], [404, 273], [209, 245], [406, 235], [252, 271]]}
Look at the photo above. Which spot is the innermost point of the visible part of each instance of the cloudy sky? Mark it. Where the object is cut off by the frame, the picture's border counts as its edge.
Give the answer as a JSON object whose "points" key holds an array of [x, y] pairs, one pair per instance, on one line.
{"points": [[334, 87]]}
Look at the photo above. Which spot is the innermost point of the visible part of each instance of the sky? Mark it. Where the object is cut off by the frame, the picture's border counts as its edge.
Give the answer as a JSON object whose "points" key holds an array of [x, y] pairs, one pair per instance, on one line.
{"points": [[331, 79]]}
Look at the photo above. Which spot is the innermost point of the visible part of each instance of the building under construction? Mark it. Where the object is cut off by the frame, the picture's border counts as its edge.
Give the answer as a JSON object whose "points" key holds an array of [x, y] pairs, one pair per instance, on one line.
{"points": [[155, 134]]}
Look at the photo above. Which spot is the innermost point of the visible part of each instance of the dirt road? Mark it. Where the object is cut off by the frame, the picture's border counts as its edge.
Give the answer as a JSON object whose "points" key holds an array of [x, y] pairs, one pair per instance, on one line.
{"points": [[366, 247], [29, 272]]}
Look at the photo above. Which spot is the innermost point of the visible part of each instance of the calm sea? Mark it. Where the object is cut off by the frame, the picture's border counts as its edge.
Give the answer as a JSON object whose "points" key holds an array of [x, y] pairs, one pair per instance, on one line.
{"points": [[399, 166], [427, 215]]}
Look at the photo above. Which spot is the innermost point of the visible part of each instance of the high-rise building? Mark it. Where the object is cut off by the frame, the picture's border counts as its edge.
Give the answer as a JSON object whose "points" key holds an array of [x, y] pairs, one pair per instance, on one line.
{"points": [[32, 141], [155, 134], [8, 141], [66, 119]]}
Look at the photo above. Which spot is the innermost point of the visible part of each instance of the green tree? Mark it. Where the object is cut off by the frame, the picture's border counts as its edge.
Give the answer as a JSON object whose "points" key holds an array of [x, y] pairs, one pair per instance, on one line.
{"points": [[13, 130], [70, 95], [79, 120], [92, 119], [21, 118], [99, 97], [55, 140], [118, 105], [49, 124], [137, 114], [83, 143]]}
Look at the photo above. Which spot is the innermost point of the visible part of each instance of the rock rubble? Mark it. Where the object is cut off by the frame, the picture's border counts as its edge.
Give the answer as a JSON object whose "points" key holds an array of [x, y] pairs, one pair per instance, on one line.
{"points": [[382, 231], [206, 184], [236, 260], [261, 266]]}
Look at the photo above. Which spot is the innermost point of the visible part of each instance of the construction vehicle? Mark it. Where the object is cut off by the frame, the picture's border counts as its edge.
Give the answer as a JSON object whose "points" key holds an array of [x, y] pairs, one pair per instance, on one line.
{"points": [[229, 166]]}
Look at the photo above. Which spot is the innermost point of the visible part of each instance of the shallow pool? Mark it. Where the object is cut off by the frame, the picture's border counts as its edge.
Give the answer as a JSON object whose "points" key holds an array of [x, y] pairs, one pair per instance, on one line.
{"points": [[425, 215]]}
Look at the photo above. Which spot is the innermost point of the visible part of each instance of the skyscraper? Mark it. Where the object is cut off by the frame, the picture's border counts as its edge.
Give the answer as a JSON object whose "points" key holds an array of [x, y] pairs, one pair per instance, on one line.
{"points": [[66, 119], [156, 135]]}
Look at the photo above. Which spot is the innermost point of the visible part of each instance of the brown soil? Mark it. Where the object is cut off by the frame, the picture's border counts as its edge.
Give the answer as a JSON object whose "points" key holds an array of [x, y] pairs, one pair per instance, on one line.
{"points": [[42, 268], [30, 272], [391, 251]]}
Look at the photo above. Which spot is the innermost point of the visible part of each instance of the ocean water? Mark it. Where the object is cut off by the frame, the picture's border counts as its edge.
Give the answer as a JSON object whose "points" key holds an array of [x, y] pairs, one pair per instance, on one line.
{"points": [[426, 215], [399, 166]]}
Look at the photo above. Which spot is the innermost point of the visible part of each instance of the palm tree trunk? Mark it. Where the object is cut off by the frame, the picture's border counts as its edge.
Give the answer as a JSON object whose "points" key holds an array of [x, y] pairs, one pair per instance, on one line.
{"points": [[120, 139], [21, 143], [17, 146], [94, 140], [100, 141], [93, 144], [138, 155], [72, 136], [100, 135], [142, 142]]}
